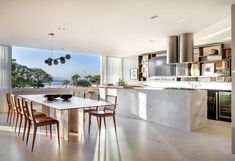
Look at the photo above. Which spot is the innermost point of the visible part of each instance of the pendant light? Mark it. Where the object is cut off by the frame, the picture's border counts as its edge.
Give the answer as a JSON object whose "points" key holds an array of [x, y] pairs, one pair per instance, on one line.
{"points": [[62, 59]]}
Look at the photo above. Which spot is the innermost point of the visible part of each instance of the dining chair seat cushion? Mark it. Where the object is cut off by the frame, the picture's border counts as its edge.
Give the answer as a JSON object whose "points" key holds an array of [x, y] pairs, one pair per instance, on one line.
{"points": [[46, 120], [86, 110], [102, 113], [38, 114]]}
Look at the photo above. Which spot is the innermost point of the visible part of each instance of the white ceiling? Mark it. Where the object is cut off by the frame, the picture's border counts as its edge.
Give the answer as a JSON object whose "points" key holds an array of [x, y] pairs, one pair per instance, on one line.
{"points": [[111, 27]]}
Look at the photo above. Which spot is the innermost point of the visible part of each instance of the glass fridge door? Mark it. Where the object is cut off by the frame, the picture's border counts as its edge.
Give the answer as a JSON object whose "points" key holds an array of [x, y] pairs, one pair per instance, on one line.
{"points": [[225, 105]]}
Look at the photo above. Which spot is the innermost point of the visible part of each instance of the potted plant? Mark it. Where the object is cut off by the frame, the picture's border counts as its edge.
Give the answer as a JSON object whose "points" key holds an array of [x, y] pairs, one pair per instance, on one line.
{"points": [[121, 82]]}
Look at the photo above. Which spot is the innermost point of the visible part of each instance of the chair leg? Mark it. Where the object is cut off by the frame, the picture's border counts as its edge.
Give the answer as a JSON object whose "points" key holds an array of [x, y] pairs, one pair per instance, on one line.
{"points": [[46, 130], [99, 124], [17, 118], [8, 115], [21, 118], [10, 118], [58, 133], [89, 123], [34, 136], [84, 119], [114, 122], [12, 123], [25, 124], [50, 133], [104, 122], [29, 126]]}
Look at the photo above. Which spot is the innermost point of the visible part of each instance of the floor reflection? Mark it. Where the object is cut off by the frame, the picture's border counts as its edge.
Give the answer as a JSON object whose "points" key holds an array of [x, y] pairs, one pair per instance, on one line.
{"points": [[103, 146]]}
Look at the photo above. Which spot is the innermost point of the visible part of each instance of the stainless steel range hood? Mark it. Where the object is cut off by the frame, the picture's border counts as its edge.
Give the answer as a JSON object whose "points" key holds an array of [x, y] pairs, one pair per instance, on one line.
{"points": [[172, 50], [186, 48]]}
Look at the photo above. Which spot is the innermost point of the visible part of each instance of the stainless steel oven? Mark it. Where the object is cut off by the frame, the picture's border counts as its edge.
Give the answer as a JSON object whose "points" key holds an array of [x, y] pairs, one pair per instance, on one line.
{"points": [[224, 105]]}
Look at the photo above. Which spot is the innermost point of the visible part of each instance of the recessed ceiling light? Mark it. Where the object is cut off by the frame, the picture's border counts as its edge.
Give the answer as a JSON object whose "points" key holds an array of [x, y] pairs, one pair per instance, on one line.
{"points": [[153, 17], [151, 40]]}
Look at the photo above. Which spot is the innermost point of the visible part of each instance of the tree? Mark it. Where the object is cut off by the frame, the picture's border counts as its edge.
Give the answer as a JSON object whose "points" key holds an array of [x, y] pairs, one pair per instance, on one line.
{"points": [[75, 79], [66, 82], [95, 79], [83, 83], [22, 76], [88, 77]]}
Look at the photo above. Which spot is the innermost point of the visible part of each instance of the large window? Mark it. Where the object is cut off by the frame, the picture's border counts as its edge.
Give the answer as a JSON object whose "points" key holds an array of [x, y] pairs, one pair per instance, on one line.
{"points": [[29, 69]]}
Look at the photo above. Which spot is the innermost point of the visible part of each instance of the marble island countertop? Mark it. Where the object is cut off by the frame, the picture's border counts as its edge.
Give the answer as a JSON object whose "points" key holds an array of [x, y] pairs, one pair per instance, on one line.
{"points": [[225, 86], [174, 107]]}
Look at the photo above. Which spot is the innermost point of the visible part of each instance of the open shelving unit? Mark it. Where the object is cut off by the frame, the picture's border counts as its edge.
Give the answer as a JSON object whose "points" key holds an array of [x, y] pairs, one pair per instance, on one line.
{"points": [[206, 65]]}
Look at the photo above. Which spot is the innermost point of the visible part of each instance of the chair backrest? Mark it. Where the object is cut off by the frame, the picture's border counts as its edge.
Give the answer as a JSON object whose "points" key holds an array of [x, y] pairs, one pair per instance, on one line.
{"points": [[92, 95], [8, 95], [111, 99], [12, 101], [79, 94], [21, 104], [95, 96], [29, 110], [16, 103]]}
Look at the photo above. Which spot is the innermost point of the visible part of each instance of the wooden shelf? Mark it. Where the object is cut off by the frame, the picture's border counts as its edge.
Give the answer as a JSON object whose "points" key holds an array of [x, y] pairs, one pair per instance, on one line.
{"points": [[210, 55], [187, 76], [213, 61]]}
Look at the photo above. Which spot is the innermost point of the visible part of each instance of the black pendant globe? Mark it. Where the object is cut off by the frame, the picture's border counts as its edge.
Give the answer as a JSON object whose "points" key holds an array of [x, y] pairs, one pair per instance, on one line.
{"points": [[49, 63], [56, 62], [62, 60], [67, 56]]}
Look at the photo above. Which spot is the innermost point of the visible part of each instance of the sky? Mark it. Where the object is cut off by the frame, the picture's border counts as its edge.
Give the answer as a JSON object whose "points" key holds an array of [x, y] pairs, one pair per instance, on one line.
{"points": [[80, 63]]}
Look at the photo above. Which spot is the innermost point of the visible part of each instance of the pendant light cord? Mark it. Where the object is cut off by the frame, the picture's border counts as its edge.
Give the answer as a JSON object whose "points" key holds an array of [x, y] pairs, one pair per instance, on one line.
{"points": [[52, 35]]}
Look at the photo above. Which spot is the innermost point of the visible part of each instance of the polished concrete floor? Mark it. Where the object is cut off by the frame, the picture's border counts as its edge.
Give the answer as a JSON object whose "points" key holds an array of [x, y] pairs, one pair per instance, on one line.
{"points": [[136, 140]]}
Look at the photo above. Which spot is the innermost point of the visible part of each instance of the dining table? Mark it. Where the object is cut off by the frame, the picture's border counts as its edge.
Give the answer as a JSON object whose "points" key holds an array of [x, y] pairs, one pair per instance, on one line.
{"points": [[69, 112]]}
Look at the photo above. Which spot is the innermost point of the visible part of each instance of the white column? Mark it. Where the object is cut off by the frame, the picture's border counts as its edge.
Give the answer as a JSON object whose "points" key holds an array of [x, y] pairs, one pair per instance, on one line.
{"points": [[103, 70], [114, 69], [5, 75], [233, 77]]}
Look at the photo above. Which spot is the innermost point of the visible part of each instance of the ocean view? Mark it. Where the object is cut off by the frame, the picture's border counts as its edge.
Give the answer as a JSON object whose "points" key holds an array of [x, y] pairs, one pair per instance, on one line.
{"points": [[83, 73], [54, 84]]}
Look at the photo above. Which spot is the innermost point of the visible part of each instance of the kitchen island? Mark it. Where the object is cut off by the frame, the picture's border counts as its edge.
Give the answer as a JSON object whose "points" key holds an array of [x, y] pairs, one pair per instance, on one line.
{"points": [[179, 108]]}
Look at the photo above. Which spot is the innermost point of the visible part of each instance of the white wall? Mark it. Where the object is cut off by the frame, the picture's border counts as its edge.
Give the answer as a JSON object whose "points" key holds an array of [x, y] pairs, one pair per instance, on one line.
{"points": [[113, 68], [103, 71], [233, 78], [5, 75], [114, 71], [128, 64]]}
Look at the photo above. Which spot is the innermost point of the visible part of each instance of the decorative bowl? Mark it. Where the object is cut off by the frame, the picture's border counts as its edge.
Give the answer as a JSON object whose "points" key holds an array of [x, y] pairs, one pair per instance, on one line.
{"points": [[66, 96], [51, 97]]}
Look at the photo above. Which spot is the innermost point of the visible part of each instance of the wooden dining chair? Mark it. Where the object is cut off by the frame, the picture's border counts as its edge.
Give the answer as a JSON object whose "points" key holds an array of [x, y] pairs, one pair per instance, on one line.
{"points": [[19, 112], [23, 115], [90, 95], [14, 110], [108, 111], [39, 122], [10, 110]]}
